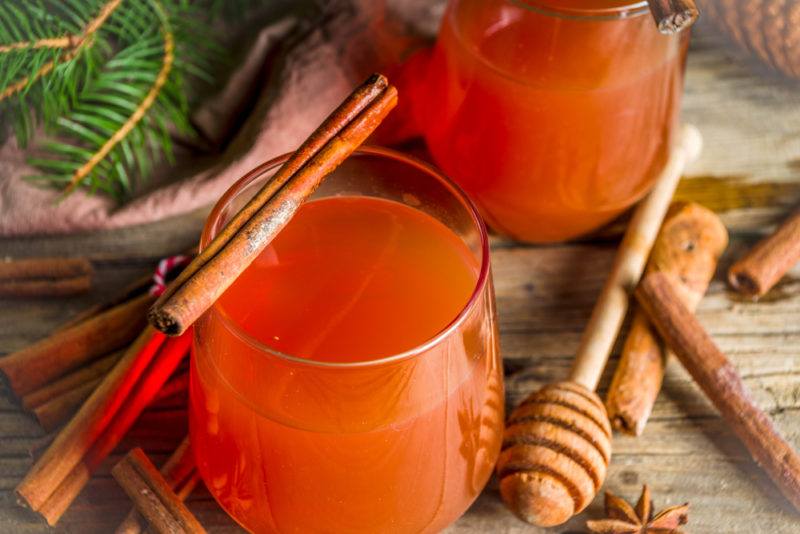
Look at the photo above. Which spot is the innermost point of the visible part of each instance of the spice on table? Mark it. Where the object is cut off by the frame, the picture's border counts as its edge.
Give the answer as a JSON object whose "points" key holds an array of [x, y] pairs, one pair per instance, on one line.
{"points": [[622, 518], [46, 486], [152, 495], [718, 379], [33, 367], [45, 277], [118, 420], [55, 402], [180, 473], [767, 262], [251, 229], [136, 288], [687, 249]]}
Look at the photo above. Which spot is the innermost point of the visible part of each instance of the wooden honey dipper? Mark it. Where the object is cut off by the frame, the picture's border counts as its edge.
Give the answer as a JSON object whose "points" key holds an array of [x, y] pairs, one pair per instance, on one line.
{"points": [[557, 442]]}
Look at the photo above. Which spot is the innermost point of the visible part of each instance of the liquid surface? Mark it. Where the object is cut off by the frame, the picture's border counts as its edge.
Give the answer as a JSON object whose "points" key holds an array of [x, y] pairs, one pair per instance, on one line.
{"points": [[353, 279], [406, 446]]}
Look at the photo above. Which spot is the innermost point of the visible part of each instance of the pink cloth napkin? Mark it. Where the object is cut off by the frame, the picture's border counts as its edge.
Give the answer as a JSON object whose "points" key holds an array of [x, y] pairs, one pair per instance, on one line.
{"points": [[301, 84]]}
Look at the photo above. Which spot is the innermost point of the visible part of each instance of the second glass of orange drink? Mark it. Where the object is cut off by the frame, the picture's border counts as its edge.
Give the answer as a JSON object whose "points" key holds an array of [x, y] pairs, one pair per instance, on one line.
{"points": [[350, 379], [554, 115]]}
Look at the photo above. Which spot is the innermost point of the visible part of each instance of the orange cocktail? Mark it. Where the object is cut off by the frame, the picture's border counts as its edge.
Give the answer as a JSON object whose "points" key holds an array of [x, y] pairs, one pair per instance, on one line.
{"points": [[555, 115], [349, 380]]}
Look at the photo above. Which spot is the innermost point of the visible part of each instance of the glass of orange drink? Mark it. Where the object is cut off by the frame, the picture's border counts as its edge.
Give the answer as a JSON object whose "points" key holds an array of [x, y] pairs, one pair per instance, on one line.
{"points": [[554, 115], [350, 379]]}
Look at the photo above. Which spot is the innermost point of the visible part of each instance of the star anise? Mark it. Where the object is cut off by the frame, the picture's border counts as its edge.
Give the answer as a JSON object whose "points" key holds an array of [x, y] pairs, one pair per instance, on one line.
{"points": [[622, 518]]}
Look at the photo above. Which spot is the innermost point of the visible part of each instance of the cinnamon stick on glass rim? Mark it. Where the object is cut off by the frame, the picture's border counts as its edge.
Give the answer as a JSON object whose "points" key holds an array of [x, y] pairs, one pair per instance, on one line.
{"points": [[254, 226], [673, 16], [767, 262], [689, 244], [718, 379]]}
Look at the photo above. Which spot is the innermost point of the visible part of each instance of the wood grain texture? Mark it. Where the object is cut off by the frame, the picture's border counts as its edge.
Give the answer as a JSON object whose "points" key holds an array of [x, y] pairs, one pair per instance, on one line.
{"points": [[749, 172]]}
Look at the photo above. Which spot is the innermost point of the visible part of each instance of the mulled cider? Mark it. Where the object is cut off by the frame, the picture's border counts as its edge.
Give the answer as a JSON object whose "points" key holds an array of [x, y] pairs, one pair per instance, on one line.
{"points": [[555, 115], [349, 380]]}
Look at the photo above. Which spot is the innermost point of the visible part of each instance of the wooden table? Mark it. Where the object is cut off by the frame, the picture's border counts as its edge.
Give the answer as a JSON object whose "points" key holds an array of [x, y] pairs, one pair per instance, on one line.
{"points": [[749, 173]]}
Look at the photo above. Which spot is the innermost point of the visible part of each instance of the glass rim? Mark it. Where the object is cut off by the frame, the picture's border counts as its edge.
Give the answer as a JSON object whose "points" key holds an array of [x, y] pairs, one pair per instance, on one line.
{"points": [[368, 150], [633, 8]]}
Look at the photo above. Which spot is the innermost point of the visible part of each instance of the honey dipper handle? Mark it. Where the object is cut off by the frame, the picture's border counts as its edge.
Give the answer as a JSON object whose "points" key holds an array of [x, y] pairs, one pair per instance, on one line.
{"points": [[610, 308]]}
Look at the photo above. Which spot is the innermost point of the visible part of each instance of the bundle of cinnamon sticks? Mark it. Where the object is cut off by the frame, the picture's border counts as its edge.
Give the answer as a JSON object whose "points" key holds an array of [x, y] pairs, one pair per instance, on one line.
{"points": [[84, 366], [53, 376], [681, 265], [691, 241]]}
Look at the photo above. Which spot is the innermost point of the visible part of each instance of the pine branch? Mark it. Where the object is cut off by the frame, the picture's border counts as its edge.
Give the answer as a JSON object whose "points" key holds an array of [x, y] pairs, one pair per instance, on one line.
{"points": [[68, 41], [140, 110], [72, 42], [106, 80]]}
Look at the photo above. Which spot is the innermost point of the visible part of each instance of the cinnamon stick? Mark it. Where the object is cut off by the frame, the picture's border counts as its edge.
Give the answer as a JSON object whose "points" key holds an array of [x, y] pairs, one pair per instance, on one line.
{"points": [[57, 287], [71, 381], [152, 495], [33, 367], [717, 377], [179, 472], [687, 250], [136, 288], [152, 379], [75, 439], [673, 16], [54, 412], [45, 277], [251, 230], [767, 262], [33, 268]]}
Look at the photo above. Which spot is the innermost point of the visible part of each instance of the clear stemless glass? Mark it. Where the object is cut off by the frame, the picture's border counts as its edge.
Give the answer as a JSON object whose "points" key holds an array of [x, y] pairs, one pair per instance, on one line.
{"points": [[554, 115], [402, 443]]}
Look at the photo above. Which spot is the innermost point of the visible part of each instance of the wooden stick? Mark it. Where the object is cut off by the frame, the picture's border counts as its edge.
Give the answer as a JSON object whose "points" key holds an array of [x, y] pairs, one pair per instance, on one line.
{"points": [[768, 261], [74, 440], [55, 412], [45, 277], [717, 377], [152, 495], [687, 249], [136, 288], [251, 230], [54, 390], [57, 287], [610, 308], [179, 472], [146, 388], [43, 268], [673, 16], [31, 368]]}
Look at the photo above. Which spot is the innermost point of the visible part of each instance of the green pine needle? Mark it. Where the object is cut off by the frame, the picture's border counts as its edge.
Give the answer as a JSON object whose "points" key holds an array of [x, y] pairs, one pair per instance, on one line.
{"points": [[85, 90]]}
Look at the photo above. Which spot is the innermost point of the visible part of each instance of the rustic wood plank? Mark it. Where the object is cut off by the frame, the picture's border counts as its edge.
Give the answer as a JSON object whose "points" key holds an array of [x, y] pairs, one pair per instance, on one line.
{"points": [[749, 172]]}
